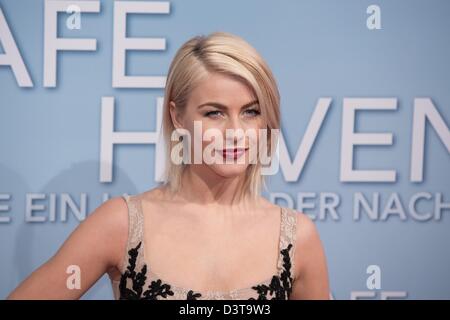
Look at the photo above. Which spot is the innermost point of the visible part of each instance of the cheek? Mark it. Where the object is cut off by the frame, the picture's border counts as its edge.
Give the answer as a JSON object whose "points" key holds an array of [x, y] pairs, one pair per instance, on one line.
{"points": [[207, 132], [212, 135], [256, 133], [192, 124]]}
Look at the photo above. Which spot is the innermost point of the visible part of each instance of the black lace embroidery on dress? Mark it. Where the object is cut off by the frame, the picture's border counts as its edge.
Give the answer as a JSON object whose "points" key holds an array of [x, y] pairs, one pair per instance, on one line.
{"points": [[280, 287], [155, 289], [191, 295]]}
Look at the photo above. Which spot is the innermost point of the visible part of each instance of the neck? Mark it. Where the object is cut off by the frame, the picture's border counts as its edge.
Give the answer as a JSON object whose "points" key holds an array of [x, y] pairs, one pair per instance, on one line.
{"points": [[200, 185]]}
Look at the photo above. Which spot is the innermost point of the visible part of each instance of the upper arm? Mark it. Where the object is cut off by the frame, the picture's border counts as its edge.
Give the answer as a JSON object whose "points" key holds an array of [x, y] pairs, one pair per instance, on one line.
{"points": [[97, 244], [311, 281]]}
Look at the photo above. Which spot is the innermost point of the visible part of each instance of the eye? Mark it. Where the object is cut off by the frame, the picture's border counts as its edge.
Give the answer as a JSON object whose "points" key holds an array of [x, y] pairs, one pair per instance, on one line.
{"points": [[212, 114], [252, 112]]}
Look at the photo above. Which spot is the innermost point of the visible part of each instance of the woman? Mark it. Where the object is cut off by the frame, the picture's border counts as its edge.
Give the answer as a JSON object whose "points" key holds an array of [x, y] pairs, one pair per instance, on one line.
{"points": [[206, 232]]}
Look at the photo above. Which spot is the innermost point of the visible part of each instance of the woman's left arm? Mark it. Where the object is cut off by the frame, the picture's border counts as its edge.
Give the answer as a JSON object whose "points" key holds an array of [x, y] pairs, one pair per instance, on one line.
{"points": [[311, 272]]}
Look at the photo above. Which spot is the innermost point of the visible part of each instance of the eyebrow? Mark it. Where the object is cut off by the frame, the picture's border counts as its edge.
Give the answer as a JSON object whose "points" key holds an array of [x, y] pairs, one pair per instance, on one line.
{"points": [[223, 107]]}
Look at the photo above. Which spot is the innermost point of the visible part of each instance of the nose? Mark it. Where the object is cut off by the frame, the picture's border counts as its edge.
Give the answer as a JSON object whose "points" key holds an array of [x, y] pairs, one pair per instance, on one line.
{"points": [[234, 131]]}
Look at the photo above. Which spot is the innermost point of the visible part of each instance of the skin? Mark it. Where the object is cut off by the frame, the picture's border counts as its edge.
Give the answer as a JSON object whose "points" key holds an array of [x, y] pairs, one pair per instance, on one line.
{"points": [[205, 229]]}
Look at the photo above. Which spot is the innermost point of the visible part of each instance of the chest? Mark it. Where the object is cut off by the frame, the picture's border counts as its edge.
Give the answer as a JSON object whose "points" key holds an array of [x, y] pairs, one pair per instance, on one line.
{"points": [[211, 254]]}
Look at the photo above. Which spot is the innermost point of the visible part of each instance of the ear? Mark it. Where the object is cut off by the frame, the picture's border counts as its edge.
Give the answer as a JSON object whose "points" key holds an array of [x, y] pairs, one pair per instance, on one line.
{"points": [[175, 115]]}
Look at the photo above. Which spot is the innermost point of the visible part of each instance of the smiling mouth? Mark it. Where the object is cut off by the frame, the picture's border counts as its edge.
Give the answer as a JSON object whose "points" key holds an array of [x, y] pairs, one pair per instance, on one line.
{"points": [[232, 153]]}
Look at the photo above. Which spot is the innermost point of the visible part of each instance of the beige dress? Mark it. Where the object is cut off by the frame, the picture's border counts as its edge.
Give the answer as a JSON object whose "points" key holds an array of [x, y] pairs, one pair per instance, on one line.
{"points": [[139, 282]]}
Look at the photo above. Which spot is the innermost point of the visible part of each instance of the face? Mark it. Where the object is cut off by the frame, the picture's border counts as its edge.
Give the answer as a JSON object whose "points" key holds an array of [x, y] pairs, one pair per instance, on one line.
{"points": [[227, 115]]}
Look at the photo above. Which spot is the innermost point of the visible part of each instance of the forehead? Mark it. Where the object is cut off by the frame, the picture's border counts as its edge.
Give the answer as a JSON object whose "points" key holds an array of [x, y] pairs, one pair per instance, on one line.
{"points": [[216, 87]]}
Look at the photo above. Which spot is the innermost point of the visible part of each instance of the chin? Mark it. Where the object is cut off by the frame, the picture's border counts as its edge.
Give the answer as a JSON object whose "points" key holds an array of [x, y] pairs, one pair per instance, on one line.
{"points": [[230, 170]]}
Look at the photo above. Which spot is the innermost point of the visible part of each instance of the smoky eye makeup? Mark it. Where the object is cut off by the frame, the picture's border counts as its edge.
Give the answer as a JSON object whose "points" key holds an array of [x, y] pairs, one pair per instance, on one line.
{"points": [[250, 110], [254, 111], [212, 113]]}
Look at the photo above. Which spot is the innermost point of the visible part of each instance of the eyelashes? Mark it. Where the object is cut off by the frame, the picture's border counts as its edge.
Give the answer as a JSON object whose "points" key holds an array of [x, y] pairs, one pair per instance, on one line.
{"points": [[216, 113], [212, 114], [255, 112]]}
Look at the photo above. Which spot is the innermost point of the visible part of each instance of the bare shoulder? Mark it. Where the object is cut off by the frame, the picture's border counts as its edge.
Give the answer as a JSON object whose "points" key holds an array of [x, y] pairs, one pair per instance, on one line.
{"points": [[307, 240], [111, 216], [110, 221], [267, 205], [307, 233], [311, 271], [113, 212], [156, 195]]}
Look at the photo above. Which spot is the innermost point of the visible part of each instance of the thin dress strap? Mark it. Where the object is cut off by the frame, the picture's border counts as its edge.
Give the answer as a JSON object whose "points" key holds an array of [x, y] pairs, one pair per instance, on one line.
{"points": [[135, 229], [288, 234]]}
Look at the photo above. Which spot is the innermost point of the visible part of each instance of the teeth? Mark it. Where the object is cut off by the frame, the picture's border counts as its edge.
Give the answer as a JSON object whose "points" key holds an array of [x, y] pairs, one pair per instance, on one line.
{"points": [[232, 153]]}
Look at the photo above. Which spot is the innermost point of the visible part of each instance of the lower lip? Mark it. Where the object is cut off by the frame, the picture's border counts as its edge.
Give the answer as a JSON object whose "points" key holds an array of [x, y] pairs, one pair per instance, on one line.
{"points": [[233, 154]]}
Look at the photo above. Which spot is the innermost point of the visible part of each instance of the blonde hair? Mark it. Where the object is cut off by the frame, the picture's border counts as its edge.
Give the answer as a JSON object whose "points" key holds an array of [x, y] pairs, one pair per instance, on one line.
{"points": [[228, 54]]}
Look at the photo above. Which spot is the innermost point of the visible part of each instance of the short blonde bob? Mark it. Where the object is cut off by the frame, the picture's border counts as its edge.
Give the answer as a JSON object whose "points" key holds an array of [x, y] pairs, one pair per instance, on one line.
{"points": [[228, 54]]}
